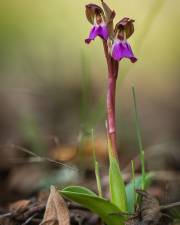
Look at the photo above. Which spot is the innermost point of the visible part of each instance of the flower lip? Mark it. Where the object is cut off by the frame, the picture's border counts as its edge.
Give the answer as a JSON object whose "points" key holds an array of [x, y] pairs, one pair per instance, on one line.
{"points": [[98, 30], [125, 27], [93, 10], [121, 50]]}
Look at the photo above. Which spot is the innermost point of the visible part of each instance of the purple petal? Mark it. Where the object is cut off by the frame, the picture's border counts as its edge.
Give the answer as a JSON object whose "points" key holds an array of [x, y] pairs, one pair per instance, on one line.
{"points": [[93, 34], [100, 31], [122, 50], [103, 32]]}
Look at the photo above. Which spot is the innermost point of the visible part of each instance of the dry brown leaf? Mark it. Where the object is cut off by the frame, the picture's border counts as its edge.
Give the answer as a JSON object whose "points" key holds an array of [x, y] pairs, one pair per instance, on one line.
{"points": [[19, 206], [56, 212]]}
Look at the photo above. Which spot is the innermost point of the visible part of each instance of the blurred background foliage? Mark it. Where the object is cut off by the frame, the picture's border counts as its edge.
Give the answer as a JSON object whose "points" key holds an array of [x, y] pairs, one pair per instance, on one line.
{"points": [[52, 84]]}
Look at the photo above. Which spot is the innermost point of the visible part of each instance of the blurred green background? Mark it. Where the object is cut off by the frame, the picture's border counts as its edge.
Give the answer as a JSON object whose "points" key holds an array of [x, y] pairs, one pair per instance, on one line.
{"points": [[51, 83]]}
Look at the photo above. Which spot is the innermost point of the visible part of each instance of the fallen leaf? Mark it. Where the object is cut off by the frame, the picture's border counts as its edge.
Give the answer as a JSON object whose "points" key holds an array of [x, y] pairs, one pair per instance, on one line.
{"points": [[19, 206], [56, 212]]}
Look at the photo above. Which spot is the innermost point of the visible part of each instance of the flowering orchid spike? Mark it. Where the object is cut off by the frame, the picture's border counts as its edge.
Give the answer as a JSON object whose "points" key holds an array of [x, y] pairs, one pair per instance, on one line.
{"points": [[121, 48], [95, 16]]}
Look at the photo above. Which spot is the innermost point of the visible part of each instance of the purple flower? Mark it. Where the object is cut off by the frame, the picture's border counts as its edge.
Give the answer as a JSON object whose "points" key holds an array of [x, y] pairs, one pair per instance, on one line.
{"points": [[98, 30], [122, 49], [97, 18]]}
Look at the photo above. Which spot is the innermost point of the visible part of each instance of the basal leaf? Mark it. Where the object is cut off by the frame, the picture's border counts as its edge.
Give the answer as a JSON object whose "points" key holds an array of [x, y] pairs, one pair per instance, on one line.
{"points": [[90, 200], [117, 187], [130, 190]]}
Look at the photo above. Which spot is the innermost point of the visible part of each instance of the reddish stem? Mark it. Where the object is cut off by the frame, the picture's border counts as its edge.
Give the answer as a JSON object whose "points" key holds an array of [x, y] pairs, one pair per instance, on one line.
{"points": [[111, 95], [111, 111]]}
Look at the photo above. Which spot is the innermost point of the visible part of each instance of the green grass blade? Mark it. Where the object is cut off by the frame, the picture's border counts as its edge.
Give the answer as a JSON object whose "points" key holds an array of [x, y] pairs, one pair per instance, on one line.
{"points": [[98, 180], [139, 138], [98, 205], [133, 185], [96, 167]]}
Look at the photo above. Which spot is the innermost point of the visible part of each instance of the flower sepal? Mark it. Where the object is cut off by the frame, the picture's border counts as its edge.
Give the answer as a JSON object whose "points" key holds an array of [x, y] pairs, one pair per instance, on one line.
{"points": [[124, 27]]}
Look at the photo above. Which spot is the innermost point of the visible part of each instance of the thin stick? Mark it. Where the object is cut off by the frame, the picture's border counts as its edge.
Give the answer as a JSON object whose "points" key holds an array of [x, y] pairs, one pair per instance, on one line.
{"points": [[139, 138], [29, 219], [175, 204], [37, 157], [5, 215]]}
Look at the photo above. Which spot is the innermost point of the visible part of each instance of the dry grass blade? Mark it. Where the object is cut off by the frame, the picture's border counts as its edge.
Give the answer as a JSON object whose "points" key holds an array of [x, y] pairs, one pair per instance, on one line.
{"points": [[56, 212]]}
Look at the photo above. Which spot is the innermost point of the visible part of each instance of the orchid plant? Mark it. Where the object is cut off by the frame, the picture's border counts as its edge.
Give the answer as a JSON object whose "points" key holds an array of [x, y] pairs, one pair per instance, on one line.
{"points": [[116, 48], [123, 198]]}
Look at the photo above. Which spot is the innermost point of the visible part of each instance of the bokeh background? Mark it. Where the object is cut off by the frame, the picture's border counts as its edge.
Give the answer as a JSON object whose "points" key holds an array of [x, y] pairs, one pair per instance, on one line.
{"points": [[53, 86]]}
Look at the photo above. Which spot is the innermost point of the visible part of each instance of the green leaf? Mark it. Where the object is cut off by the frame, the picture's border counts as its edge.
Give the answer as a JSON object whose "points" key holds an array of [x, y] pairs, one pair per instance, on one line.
{"points": [[130, 190], [79, 189], [117, 187], [90, 200]]}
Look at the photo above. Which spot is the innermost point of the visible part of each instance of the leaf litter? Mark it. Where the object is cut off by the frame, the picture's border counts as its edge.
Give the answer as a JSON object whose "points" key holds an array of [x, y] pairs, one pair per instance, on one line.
{"points": [[57, 212]]}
